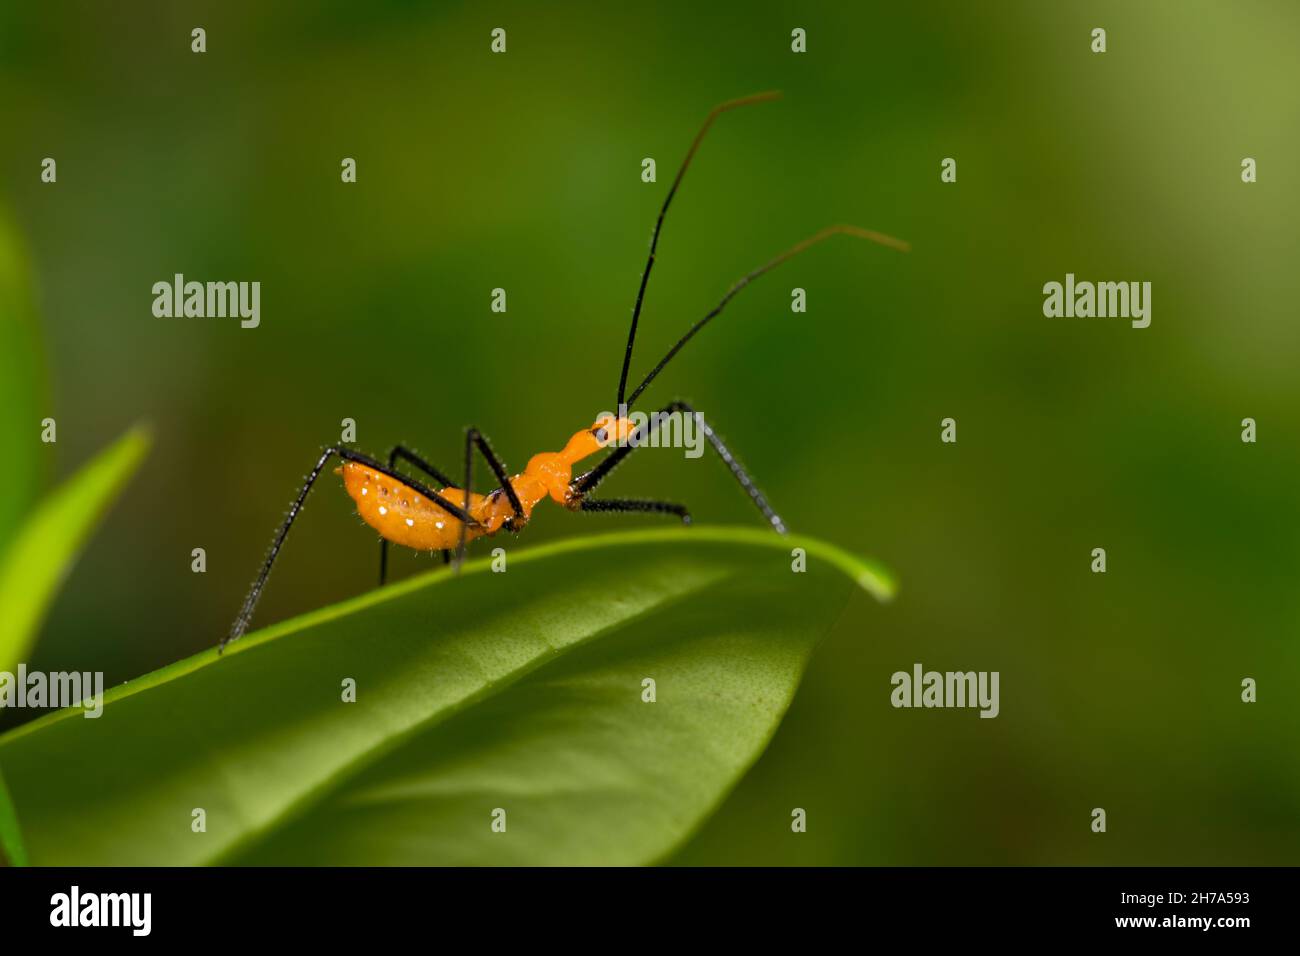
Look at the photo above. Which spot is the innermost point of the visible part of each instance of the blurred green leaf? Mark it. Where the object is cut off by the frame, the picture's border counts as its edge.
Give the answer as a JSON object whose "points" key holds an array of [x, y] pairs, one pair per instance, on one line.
{"points": [[12, 852], [40, 555], [519, 690], [22, 385]]}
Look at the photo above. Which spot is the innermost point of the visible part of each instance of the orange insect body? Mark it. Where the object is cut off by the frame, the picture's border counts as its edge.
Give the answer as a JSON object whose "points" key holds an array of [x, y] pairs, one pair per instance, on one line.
{"points": [[404, 516]]}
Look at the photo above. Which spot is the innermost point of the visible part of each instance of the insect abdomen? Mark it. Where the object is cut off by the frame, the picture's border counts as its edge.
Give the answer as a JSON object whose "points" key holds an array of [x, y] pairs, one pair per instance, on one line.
{"points": [[403, 515]]}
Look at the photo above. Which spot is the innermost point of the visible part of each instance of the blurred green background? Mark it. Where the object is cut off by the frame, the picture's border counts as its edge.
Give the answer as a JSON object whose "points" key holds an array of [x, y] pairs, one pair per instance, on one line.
{"points": [[523, 171]]}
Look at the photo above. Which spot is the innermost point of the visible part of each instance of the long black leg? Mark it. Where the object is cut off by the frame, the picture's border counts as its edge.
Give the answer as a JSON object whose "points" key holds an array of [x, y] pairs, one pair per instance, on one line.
{"points": [[584, 484], [635, 504], [255, 592], [474, 439], [401, 452]]}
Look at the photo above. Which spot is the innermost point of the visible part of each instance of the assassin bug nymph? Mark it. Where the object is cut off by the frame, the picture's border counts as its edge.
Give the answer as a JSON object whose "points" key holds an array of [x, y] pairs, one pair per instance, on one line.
{"points": [[406, 511]]}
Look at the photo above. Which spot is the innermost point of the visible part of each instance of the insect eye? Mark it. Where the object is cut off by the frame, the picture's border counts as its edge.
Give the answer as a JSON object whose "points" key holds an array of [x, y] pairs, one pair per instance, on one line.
{"points": [[601, 435]]}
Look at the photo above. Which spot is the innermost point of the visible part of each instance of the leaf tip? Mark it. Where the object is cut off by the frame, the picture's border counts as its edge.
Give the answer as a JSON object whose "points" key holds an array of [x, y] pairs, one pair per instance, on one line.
{"points": [[139, 436], [878, 584]]}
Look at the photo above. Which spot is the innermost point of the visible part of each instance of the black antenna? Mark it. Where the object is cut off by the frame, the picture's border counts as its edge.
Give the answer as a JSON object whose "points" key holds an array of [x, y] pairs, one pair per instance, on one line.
{"points": [[659, 224], [745, 280]]}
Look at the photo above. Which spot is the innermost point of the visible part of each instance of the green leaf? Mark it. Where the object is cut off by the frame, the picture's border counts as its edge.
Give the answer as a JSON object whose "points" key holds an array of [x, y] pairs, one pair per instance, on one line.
{"points": [[11, 837], [519, 690], [42, 552], [22, 386]]}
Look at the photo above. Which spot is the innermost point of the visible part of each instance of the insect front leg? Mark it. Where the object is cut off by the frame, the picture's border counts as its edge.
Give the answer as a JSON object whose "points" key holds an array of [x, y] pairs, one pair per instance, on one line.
{"points": [[584, 484]]}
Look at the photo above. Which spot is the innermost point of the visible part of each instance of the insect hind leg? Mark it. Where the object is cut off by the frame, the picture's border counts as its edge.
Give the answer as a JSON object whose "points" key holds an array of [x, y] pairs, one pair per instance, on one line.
{"points": [[245, 615]]}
